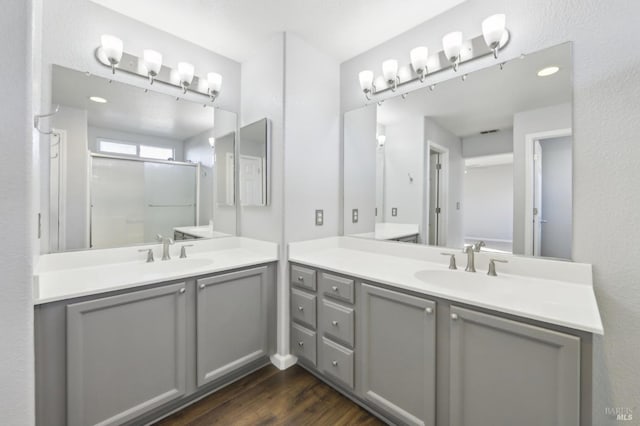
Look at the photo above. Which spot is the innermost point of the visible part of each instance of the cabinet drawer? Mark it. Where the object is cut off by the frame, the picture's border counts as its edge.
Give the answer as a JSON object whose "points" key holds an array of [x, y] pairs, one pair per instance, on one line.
{"points": [[303, 343], [337, 361], [303, 277], [303, 308], [337, 322], [337, 287]]}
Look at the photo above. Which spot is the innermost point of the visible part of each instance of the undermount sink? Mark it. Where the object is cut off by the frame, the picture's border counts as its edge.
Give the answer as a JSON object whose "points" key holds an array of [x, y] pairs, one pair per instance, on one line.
{"points": [[174, 265]]}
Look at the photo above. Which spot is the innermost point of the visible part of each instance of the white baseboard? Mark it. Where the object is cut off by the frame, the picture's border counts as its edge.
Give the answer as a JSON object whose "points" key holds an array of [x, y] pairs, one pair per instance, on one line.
{"points": [[283, 362]]}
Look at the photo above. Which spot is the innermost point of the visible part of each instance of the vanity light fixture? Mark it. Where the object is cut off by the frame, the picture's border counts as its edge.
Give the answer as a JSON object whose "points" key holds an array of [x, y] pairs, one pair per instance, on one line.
{"points": [[185, 72], [452, 45], [153, 63], [149, 66], [215, 83], [97, 99], [419, 58], [366, 82], [381, 140], [494, 30], [390, 73], [112, 49], [455, 50], [547, 71]]}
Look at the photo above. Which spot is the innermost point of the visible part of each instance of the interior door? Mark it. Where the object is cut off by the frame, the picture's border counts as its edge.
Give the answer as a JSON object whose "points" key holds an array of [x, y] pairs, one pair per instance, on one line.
{"points": [[434, 197], [537, 198], [251, 188]]}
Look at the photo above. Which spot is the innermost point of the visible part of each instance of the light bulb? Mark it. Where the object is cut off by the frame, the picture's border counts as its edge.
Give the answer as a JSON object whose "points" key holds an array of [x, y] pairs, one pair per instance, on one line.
{"points": [[112, 48], [366, 82], [381, 139], [419, 57], [452, 44], [493, 29], [215, 82], [185, 72], [390, 70], [212, 141], [152, 61]]}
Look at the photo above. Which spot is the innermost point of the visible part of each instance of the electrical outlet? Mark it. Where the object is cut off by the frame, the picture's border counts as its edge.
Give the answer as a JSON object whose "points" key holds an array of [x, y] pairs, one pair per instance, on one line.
{"points": [[394, 211], [319, 217], [354, 216]]}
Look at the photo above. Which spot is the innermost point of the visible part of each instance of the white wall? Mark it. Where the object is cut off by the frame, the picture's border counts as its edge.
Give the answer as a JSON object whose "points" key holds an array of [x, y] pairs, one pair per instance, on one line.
{"points": [[359, 180], [19, 23], [556, 197], [74, 122], [488, 203], [100, 132], [434, 133], [524, 123], [312, 119], [404, 155], [488, 144], [605, 152]]}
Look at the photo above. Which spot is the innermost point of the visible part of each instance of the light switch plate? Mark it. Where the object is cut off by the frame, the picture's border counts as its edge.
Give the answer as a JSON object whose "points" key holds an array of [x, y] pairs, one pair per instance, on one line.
{"points": [[319, 217], [394, 211], [354, 216]]}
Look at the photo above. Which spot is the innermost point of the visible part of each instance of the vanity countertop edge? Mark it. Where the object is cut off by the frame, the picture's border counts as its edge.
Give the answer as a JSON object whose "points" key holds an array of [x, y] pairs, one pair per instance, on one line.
{"points": [[556, 301]]}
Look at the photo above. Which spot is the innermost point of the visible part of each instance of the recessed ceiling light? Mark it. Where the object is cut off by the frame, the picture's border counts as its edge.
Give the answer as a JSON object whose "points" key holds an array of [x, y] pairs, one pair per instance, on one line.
{"points": [[98, 99], [545, 72]]}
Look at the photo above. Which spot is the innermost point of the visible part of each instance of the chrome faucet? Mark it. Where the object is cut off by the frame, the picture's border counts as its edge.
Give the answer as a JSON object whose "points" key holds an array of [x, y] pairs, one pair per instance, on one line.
{"points": [[470, 250], [478, 246], [166, 242]]}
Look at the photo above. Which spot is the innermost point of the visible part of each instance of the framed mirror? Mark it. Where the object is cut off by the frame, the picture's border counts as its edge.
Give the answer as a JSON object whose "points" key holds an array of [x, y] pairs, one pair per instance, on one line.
{"points": [[482, 158], [125, 164], [254, 163]]}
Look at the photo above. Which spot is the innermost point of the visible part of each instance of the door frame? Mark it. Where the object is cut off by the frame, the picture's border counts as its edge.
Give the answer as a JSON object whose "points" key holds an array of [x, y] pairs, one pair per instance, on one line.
{"points": [[529, 140], [444, 193]]}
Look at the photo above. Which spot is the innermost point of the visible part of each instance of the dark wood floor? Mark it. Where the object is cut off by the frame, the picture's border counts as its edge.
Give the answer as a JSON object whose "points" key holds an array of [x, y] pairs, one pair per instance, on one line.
{"points": [[273, 397]]}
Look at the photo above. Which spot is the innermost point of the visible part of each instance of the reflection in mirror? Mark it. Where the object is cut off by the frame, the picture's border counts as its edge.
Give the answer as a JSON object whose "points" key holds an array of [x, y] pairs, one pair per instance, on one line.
{"points": [[254, 163], [224, 148], [486, 158], [126, 164]]}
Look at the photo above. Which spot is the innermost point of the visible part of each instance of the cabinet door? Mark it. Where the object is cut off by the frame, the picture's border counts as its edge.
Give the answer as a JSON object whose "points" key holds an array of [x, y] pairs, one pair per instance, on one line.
{"points": [[508, 373], [396, 337], [232, 322], [125, 355]]}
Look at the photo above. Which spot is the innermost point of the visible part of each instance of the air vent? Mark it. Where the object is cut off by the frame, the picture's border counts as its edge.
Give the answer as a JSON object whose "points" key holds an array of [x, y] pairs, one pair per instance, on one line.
{"points": [[486, 132]]}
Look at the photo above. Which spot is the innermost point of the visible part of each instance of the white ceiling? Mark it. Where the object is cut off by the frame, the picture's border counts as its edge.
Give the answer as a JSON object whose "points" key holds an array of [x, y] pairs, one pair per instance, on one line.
{"points": [[236, 28], [129, 108], [488, 98]]}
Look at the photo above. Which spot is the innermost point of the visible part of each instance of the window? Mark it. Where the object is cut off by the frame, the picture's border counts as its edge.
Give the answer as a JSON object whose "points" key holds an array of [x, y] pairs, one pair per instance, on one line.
{"points": [[156, 152], [117, 148], [135, 150]]}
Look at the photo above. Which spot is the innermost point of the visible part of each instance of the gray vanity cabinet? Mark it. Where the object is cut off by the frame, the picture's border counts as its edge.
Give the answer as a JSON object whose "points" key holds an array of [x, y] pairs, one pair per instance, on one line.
{"points": [[126, 355], [232, 322], [397, 339], [504, 372]]}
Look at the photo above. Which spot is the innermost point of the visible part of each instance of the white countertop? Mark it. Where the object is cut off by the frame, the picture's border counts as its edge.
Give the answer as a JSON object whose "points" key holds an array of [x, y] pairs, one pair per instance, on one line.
{"points": [[67, 275], [390, 231], [551, 291], [201, 231]]}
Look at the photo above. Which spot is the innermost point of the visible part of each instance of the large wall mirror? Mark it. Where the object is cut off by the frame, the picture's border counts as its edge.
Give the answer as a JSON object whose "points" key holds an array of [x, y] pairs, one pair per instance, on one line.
{"points": [[125, 165], [484, 158]]}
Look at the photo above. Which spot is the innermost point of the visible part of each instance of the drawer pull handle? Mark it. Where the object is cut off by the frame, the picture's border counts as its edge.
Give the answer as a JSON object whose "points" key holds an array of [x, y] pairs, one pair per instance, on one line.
{"points": [[202, 286], [300, 308], [429, 311], [301, 278], [334, 363], [334, 288], [301, 344], [182, 290], [454, 316], [334, 323]]}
